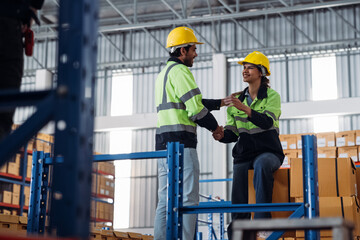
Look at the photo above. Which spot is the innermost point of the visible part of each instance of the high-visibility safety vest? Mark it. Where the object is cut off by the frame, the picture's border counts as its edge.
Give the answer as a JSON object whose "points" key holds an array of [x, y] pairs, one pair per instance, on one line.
{"points": [[178, 105], [257, 134]]}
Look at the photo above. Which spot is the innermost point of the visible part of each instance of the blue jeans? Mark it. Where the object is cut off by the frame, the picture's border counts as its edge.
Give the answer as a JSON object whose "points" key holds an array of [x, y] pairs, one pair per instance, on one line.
{"points": [[190, 195], [264, 166]]}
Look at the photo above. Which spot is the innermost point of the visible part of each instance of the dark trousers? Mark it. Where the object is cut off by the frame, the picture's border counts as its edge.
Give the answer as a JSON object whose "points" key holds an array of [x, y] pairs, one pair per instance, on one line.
{"points": [[11, 65], [264, 166]]}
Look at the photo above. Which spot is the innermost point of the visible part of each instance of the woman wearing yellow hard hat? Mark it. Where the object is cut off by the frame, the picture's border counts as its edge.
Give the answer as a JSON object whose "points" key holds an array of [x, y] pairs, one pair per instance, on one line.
{"points": [[253, 123]]}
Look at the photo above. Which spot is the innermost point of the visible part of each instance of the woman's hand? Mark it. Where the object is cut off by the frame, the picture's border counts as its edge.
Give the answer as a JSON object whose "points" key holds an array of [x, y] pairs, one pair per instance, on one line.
{"points": [[235, 102]]}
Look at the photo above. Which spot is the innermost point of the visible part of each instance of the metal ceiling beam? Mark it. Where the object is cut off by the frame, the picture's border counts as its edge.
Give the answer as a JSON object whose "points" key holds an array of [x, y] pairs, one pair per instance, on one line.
{"points": [[197, 32], [129, 22], [208, 56], [114, 45], [294, 25], [163, 23], [240, 25], [344, 20]]}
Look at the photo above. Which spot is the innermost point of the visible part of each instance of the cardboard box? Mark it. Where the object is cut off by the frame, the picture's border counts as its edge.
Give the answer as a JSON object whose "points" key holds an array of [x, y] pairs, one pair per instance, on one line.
{"points": [[121, 235], [27, 190], [281, 190], [288, 155], [299, 153], [288, 141], [358, 182], [95, 233], [348, 152], [327, 152], [6, 197], [18, 158], [6, 212], [16, 188], [147, 237], [107, 235], [26, 199], [3, 168], [299, 140], [346, 138], [337, 177], [357, 135], [346, 207], [325, 139], [133, 235], [28, 172], [15, 200], [13, 168]]}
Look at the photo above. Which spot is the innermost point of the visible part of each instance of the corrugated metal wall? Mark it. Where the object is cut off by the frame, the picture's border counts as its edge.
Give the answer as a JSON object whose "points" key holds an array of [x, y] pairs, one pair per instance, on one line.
{"points": [[143, 190], [291, 77]]}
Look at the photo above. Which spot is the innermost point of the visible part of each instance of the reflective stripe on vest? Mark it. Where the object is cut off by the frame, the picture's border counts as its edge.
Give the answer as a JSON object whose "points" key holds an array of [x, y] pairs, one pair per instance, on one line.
{"points": [[176, 128]]}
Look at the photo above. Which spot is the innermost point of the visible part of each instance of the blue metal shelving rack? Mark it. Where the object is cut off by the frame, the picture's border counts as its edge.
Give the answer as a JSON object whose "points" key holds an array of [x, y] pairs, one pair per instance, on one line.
{"points": [[174, 154], [39, 181], [309, 208]]}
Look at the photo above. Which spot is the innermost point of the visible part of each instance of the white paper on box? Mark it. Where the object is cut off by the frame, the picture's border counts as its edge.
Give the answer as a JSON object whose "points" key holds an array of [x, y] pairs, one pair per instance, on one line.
{"points": [[321, 142], [292, 146], [358, 140], [343, 155], [299, 144], [354, 158], [340, 142], [299, 155], [331, 143], [285, 162], [321, 155], [351, 143], [284, 145]]}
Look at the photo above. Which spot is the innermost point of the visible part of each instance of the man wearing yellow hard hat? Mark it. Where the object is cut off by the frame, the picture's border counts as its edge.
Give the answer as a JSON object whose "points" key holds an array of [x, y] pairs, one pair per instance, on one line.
{"points": [[180, 108], [253, 123]]}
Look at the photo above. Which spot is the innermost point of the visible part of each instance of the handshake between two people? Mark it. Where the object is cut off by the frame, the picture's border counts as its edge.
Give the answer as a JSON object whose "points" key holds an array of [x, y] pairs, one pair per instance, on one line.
{"points": [[218, 134]]}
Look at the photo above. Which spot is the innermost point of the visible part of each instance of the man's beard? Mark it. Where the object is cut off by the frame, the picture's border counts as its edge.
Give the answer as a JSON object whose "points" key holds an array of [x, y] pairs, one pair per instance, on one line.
{"points": [[188, 62]]}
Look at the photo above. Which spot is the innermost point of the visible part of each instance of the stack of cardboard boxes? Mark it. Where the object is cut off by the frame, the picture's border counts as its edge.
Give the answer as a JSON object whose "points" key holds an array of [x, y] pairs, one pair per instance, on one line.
{"points": [[329, 145], [339, 185], [101, 234], [9, 192], [103, 187]]}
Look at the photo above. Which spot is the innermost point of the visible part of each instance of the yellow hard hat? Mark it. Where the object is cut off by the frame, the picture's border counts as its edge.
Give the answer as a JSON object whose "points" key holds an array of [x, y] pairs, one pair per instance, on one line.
{"points": [[181, 36], [257, 58]]}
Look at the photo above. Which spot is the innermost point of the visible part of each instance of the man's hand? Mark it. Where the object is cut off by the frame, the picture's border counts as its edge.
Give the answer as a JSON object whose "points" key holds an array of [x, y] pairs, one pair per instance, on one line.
{"points": [[218, 134]]}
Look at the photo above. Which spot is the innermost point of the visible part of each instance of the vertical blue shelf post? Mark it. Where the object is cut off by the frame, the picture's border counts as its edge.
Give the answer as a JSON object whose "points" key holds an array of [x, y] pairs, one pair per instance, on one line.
{"points": [[35, 192], [175, 190], [74, 118], [310, 181]]}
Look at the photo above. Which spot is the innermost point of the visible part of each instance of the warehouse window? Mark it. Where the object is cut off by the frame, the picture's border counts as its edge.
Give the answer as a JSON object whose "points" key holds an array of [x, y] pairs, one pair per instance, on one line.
{"points": [[120, 142], [122, 94], [324, 87]]}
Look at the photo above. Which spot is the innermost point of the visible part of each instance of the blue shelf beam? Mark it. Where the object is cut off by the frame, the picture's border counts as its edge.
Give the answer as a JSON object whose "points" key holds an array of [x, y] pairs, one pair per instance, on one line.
{"points": [[113, 157], [11, 99], [227, 207], [27, 130]]}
